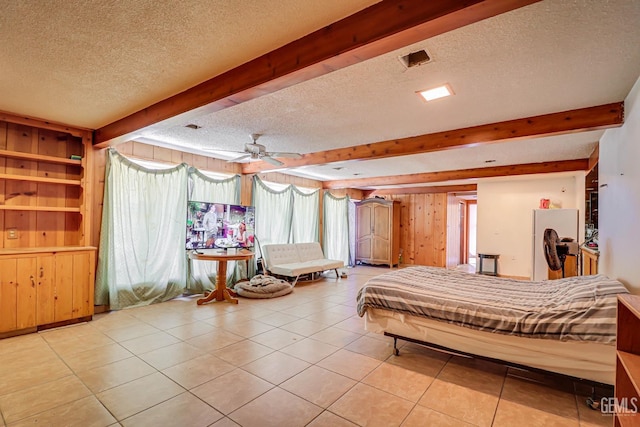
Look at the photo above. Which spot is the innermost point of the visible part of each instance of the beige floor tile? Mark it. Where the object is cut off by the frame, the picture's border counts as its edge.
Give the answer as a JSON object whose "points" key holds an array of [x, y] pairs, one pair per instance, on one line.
{"points": [[232, 390], [113, 320], [85, 412], [243, 352], [318, 386], [540, 397], [29, 342], [96, 357], [352, 365], [248, 328], [198, 371], [515, 414], [183, 410], [191, 330], [31, 371], [309, 308], [277, 338], [304, 327], [475, 374], [276, 408], [330, 317], [329, 419], [309, 350], [278, 319], [352, 324], [214, 341], [371, 347], [336, 336], [168, 320], [225, 422], [40, 398], [170, 355], [589, 417], [421, 416], [149, 343], [276, 367], [131, 331], [424, 361], [368, 406], [409, 385], [466, 404], [64, 333], [81, 343], [136, 396], [115, 374]]}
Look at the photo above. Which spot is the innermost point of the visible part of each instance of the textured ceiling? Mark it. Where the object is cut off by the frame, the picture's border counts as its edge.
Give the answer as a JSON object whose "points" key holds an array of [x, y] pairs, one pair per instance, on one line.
{"points": [[89, 63]]}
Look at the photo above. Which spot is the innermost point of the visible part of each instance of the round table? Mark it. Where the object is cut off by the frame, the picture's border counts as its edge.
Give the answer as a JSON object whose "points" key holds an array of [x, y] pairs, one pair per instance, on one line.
{"points": [[221, 292]]}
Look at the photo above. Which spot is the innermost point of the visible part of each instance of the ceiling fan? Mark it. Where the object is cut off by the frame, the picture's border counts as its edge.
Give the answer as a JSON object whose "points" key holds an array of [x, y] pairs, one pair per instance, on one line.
{"points": [[257, 151]]}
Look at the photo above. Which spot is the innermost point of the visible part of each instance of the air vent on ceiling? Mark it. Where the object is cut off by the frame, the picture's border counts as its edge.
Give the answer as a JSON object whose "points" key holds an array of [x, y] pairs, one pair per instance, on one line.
{"points": [[192, 126], [415, 58]]}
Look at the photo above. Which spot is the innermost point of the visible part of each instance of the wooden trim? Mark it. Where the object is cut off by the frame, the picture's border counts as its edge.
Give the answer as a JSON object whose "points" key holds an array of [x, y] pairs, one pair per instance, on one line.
{"points": [[376, 30], [579, 120], [423, 190], [38, 208], [594, 158], [511, 170], [42, 124], [46, 180]]}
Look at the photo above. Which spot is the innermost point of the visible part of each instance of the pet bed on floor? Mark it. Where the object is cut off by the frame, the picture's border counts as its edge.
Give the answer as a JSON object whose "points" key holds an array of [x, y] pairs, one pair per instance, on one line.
{"points": [[262, 286]]}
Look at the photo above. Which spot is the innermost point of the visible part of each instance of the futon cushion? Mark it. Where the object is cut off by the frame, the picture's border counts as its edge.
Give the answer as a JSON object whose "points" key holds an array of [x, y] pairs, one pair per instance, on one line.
{"points": [[262, 286]]}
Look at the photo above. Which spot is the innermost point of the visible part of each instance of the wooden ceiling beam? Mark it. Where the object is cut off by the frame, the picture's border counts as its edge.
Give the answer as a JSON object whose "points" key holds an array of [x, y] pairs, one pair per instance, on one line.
{"points": [[376, 30], [579, 120], [424, 190], [490, 172]]}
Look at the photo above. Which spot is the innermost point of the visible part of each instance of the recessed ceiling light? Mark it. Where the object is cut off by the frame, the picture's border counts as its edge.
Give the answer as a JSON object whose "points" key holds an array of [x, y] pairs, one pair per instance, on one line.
{"points": [[436, 92], [192, 126], [339, 168], [490, 161]]}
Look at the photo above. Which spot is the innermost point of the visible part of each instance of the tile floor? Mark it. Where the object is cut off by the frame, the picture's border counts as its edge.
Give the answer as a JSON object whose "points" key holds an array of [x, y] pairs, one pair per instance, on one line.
{"points": [[299, 360]]}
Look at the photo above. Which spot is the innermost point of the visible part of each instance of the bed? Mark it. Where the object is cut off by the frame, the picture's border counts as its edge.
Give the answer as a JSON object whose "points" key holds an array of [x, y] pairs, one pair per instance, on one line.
{"points": [[564, 326]]}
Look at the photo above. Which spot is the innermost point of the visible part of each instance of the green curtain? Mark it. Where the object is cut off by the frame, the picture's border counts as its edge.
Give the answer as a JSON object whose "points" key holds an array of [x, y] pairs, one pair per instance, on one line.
{"points": [[336, 227], [141, 258], [305, 216], [202, 188], [274, 210]]}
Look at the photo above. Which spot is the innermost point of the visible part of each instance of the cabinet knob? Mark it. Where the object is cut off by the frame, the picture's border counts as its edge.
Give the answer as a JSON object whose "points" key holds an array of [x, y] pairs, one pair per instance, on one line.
{"points": [[33, 282], [41, 271]]}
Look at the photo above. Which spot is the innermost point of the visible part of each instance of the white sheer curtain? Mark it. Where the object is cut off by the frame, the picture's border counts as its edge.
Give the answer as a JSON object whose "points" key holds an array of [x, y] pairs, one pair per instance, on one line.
{"points": [[274, 210], [336, 227], [202, 188], [141, 258], [305, 216]]}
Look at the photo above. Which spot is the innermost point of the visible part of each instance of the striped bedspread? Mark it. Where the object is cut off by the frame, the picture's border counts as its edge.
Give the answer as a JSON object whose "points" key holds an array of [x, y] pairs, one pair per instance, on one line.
{"points": [[581, 308]]}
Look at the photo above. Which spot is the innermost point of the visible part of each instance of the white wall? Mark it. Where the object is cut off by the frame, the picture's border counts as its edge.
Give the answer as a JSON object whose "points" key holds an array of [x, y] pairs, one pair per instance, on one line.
{"points": [[505, 215], [619, 197]]}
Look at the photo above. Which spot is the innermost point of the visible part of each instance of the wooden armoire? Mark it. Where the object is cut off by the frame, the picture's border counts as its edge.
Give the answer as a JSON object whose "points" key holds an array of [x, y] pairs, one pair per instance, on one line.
{"points": [[378, 232]]}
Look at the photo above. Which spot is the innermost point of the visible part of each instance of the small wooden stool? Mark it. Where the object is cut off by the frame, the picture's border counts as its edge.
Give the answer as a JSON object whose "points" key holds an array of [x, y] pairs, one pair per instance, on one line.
{"points": [[494, 257]]}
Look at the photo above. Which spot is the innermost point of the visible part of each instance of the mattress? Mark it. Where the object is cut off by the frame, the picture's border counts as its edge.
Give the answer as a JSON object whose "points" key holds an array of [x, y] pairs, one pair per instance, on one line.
{"points": [[587, 360], [579, 308]]}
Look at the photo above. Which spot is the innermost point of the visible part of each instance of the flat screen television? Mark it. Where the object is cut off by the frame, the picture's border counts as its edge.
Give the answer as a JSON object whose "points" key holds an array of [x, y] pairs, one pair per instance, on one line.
{"points": [[219, 226]]}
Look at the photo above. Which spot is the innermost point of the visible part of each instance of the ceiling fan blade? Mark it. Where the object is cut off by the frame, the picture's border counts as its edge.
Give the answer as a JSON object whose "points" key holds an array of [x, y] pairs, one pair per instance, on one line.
{"points": [[239, 158], [271, 160], [287, 155]]}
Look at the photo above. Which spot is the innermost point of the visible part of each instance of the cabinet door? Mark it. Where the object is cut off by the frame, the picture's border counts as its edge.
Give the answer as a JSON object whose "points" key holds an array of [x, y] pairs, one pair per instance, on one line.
{"points": [[8, 294], [382, 239], [26, 292], [45, 295], [74, 279]]}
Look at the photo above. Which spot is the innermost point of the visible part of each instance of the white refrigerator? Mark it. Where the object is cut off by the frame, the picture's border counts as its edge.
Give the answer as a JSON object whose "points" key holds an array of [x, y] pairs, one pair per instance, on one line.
{"points": [[564, 221]]}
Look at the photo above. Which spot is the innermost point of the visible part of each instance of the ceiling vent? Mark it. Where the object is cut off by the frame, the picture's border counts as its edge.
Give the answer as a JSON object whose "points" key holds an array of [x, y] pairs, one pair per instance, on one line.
{"points": [[415, 59]]}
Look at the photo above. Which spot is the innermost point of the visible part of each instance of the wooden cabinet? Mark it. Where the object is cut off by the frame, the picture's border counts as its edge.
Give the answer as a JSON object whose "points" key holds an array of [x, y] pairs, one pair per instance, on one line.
{"points": [[378, 232], [46, 269], [627, 387], [44, 288], [589, 261]]}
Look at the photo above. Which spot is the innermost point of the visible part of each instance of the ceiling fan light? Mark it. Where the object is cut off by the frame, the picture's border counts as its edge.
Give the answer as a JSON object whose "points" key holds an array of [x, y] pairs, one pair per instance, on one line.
{"points": [[436, 92]]}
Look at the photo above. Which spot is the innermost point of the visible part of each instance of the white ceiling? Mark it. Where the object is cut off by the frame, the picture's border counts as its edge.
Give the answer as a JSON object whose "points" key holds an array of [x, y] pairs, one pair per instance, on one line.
{"points": [[90, 63]]}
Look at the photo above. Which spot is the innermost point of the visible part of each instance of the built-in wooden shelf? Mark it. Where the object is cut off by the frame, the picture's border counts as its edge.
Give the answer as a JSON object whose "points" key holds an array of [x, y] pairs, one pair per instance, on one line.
{"points": [[39, 208], [50, 159], [631, 364], [44, 179], [627, 389]]}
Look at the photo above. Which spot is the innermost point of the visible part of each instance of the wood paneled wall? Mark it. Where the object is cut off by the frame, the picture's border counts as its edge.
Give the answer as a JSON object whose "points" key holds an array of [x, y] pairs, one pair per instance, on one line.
{"points": [[423, 228]]}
